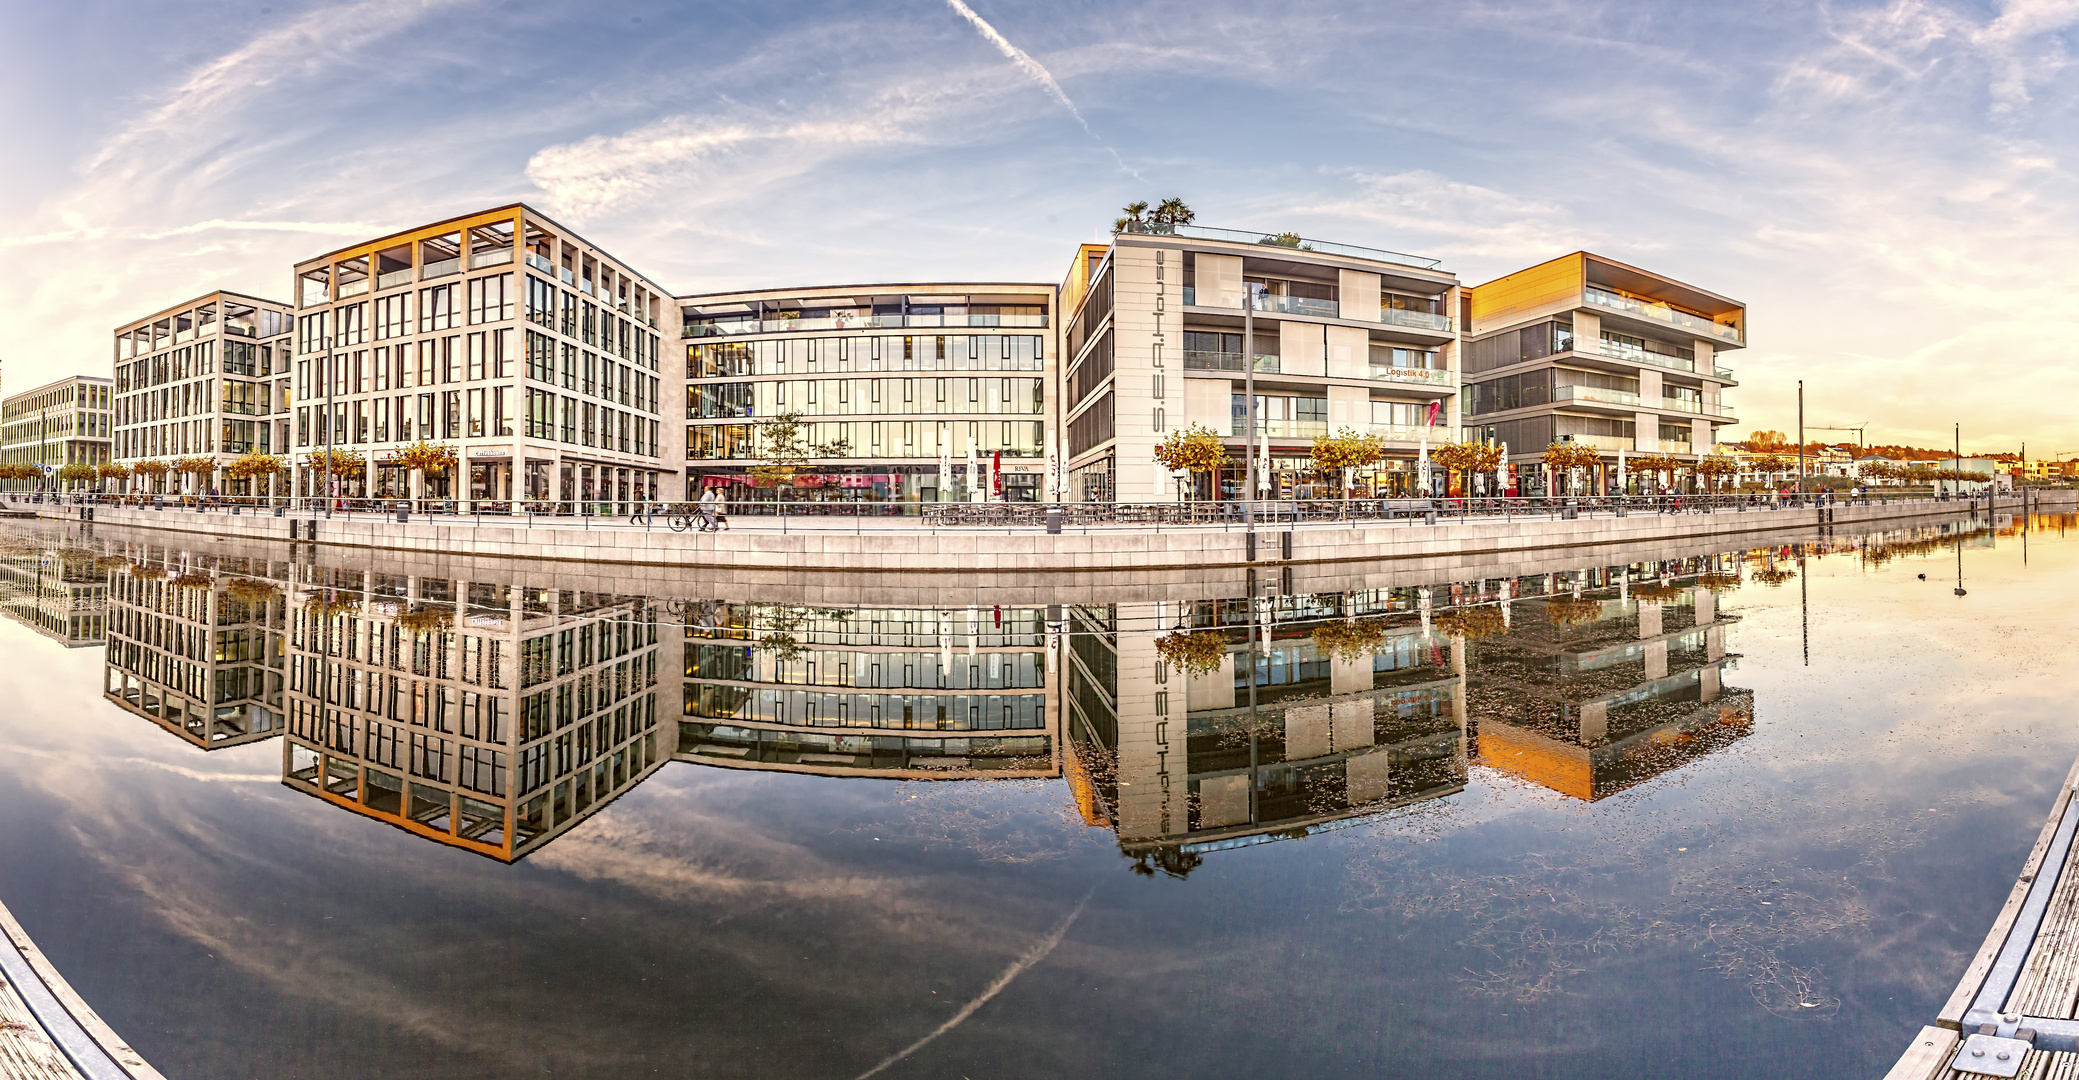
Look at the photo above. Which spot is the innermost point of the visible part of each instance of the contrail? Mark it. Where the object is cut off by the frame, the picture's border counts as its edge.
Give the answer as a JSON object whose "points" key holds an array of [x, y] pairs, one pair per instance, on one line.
{"points": [[1025, 63], [1041, 948]]}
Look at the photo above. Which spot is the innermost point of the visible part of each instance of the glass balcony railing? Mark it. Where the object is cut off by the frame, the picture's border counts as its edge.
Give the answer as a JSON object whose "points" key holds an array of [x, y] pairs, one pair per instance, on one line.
{"points": [[1283, 429], [1190, 296], [864, 322], [1201, 360], [353, 288], [1601, 442], [1674, 446], [1595, 394], [493, 257], [441, 268], [1298, 305], [563, 274], [585, 286], [1620, 351], [1421, 376], [1664, 313], [1421, 320], [541, 263], [1410, 433], [1284, 240], [1723, 373], [393, 279]]}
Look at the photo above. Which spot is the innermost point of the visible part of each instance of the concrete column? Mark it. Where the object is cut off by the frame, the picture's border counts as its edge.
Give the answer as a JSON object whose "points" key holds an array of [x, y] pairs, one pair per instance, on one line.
{"points": [[1595, 723], [1351, 724], [1657, 659], [1368, 776], [1649, 619], [1307, 730]]}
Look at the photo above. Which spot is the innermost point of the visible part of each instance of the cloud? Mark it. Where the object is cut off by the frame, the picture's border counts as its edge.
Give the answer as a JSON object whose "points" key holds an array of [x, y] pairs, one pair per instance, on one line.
{"points": [[1024, 62]]}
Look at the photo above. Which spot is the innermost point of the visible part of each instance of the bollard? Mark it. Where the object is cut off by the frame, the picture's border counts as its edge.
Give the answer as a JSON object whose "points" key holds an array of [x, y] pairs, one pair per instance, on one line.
{"points": [[292, 528], [277, 511], [1252, 546], [1286, 548]]}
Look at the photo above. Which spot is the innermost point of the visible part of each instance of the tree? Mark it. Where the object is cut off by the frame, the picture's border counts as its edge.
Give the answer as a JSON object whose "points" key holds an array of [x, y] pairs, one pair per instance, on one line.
{"points": [[1347, 449], [1467, 457], [784, 450], [76, 472], [1170, 213], [345, 464], [1134, 220], [1286, 239], [1771, 464], [1568, 456], [255, 465], [110, 470], [1194, 449], [1715, 468], [427, 457], [1766, 440]]}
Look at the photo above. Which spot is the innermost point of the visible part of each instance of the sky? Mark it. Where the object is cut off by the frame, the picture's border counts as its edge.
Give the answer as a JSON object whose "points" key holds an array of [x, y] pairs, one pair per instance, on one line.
{"points": [[1887, 185]]}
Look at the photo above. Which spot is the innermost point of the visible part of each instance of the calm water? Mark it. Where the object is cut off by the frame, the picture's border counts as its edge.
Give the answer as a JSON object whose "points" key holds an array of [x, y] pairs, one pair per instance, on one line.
{"points": [[1718, 815]]}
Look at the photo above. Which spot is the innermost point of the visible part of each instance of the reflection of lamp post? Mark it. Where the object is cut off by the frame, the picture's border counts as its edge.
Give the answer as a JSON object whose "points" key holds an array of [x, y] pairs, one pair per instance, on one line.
{"points": [[1249, 407]]}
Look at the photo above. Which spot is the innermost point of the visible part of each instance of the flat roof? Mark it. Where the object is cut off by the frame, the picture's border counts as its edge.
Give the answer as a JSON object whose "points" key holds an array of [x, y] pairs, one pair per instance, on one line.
{"points": [[154, 316], [33, 391], [523, 207], [876, 287]]}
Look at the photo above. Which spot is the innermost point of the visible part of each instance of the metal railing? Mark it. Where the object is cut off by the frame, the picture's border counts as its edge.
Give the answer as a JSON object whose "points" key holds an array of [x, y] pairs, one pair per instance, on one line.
{"points": [[1663, 313], [1283, 240], [863, 516]]}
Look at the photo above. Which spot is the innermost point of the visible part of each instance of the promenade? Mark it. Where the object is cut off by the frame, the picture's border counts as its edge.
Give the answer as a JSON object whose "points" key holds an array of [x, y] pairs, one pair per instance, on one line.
{"points": [[851, 544]]}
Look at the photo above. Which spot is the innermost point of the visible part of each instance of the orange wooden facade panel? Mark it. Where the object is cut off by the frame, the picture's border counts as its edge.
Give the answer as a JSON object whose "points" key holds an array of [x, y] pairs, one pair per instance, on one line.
{"points": [[1559, 281]]}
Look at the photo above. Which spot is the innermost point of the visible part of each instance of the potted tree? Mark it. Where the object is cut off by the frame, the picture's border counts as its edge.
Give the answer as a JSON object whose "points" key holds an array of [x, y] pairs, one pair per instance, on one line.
{"points": [[1194, 449]]}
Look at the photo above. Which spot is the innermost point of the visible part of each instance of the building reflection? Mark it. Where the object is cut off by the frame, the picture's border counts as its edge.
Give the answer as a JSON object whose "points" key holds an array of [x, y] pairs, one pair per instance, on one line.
{"points": [[885, 692], [1224, 723], [57, 591], [1606, 677], [196, 647], [484, 716]]}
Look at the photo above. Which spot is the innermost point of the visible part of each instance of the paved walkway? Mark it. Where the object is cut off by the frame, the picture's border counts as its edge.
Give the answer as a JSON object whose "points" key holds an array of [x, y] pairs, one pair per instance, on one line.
{"points": [[46, 1031]]}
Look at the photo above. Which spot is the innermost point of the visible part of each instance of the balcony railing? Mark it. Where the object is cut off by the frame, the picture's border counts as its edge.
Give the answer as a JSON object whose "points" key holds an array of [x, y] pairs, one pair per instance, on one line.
{"points": [[1332, 309], [541, 263], [1723, 373], [441, 268], [1410, 433], [1421, 320], [1620, 351], [1283, 429], [1664, 313], [1674, 446], [1422, 376], [1284, 240], [1201, 360], [353, 288], [864, 322], [1595, 394], [393, 279], [494, 257], [1601, 442]]}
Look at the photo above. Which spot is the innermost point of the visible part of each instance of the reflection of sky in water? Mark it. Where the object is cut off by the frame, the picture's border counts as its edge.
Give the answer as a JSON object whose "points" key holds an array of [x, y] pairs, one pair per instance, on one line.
{"points": [[1808, 880]]}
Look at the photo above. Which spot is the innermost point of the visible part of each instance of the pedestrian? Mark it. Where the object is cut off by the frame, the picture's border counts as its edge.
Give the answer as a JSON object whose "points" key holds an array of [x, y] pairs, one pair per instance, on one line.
{"points": [[708, 513], [721, 511]]}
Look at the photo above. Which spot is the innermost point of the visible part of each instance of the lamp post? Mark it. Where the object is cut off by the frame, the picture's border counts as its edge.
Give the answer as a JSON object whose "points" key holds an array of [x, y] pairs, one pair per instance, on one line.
{"points": [[1801, 442], [1249, 408]]}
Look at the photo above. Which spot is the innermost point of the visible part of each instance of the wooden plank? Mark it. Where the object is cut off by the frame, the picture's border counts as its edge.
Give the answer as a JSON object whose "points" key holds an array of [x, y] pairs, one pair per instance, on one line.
{"points": [[1959, 1002], [82, 1014], [2045, 987], [26, 1053], [1928, 1055]]}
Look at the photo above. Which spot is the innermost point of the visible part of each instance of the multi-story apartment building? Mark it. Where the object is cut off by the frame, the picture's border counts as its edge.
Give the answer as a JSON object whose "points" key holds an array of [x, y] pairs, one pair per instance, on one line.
{"points": [[55, 590], [1355, 707], [58, 424], [871, 692], [1345, 337], [1614, 676], [901, 393], [483, 715], [1588, 350], [501, 333], [202, 379], [197, 651]]}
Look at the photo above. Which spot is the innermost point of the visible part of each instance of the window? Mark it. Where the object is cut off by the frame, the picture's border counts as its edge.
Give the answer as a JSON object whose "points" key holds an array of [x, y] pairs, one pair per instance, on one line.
{"points": [[439, 308], [491, 298]]}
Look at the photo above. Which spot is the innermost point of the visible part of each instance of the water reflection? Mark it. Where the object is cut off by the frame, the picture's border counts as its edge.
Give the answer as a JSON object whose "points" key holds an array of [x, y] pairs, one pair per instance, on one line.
{"points": [[495, 715]]}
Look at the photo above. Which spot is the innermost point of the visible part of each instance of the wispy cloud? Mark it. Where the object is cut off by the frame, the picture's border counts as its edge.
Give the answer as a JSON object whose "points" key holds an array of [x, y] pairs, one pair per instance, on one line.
{"points": [[1038, 71]]}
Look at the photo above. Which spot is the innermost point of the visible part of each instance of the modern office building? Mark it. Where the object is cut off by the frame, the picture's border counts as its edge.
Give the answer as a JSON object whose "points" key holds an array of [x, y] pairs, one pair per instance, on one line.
{"points": [[1588, 350], [486, 716], [56, 590], [534, 353], [205, 379], [1345, 337], [58, 424], [904, 393], [197, 650], [887, 692]]}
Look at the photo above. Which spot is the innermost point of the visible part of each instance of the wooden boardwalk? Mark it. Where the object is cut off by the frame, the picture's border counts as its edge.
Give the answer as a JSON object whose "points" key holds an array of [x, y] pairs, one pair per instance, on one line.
{"points": [[2016, 1010], [46, 1031]]}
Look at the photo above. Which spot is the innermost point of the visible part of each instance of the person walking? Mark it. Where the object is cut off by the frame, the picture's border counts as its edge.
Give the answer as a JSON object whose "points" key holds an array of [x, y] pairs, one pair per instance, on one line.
{"points": [[708, 513]]}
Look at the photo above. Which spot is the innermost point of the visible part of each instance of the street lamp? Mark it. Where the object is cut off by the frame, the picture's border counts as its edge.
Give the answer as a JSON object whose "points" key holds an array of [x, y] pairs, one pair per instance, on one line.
{"points": [[1249, 289]]}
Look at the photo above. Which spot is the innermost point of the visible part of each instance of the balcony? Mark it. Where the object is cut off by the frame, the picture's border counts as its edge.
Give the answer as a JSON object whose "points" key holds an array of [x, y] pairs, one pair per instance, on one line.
{"points": [[346, 289], [1416, 375], [1674, 446], [1283, 240], [493, 257], [441, 268], [1409, 434], [1600, 442], [541, 263], [1617, 350], [864, 322], [1298, 305], [1283, 429], [585, 286], [1596, 395], [1201, 360], [1420, 320], [1723, 373], [1665, 314]]}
